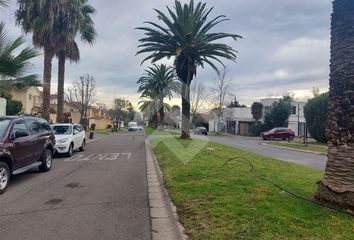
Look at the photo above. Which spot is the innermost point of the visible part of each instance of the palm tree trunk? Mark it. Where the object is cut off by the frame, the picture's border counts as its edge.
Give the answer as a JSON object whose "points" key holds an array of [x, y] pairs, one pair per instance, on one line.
{"points": [[337, 186], [162, 113], [47, 75], [186, 111], [61, 79]]}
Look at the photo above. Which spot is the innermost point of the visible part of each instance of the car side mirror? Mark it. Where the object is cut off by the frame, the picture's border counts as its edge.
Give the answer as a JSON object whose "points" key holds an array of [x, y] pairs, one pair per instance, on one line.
{"points": [[20, 134], [76, 132]]}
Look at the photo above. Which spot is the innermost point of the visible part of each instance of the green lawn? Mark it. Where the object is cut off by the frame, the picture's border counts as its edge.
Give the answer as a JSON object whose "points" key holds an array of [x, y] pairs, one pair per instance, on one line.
{"points": [[309, 147], [233, 204], [151, 131], [106, 132]]}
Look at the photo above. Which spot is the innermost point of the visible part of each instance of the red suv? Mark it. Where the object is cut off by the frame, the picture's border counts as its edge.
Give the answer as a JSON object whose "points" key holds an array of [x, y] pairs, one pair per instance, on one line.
{"points": [[279, 133], [25, 142]]}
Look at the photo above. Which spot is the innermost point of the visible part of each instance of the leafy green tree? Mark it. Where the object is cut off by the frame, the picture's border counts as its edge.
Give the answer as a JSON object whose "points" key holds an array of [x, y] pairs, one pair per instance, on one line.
{"points": [[316, 115], [74, 18], [120, 110], [279, 114], [13, 107], [337, 186], [161, 80], [236, 104], [257, 111], [186, 35]]}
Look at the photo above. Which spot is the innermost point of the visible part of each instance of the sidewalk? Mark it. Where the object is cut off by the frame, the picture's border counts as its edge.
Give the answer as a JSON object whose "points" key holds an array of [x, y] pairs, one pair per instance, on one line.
{"points": [[164, 218]]}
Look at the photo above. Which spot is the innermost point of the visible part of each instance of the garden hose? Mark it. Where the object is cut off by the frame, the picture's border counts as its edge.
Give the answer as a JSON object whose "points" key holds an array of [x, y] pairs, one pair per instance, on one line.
{"points": [[253, 171]]}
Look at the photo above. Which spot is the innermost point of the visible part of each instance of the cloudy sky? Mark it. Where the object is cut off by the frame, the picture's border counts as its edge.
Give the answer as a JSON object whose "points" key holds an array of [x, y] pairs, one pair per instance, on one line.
{"points": [[285, 47]]}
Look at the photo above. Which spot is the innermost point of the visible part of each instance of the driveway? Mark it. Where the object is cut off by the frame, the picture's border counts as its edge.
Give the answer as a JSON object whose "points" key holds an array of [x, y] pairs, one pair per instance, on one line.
{"points": [[254, 145], [98, 194]]}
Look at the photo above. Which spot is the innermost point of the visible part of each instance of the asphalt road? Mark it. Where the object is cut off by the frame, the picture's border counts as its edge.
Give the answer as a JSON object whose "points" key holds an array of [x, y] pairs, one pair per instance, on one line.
{"points": [[254, 145], [98, 194]]}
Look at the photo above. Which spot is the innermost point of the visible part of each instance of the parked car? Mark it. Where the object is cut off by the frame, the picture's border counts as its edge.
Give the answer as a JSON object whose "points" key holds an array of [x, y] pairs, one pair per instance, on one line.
{"points": [[278, 133], [25, 143], [69, 137], [133, 126], [200, 131]]}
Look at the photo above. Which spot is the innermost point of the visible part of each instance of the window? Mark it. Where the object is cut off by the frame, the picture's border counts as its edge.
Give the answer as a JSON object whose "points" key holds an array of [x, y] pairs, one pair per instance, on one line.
{"points": [[30, 97], [62, 130], [19, 127], [33, 126], [44, 127], [294, 110]]}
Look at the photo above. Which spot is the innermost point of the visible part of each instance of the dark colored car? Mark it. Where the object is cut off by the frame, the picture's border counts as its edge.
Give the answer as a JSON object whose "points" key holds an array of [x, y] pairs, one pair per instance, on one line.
{"points": [[200, 131], [279, 133], [25, 143]]}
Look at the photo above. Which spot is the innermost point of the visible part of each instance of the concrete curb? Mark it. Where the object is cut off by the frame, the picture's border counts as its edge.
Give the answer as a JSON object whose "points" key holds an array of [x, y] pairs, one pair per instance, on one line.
{"points": [[293, 149], [164, 217]]}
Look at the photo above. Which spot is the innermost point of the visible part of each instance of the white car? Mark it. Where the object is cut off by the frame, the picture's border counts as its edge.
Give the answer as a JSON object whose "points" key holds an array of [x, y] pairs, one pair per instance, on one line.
{"points": [[69, 137], [133, 126]]}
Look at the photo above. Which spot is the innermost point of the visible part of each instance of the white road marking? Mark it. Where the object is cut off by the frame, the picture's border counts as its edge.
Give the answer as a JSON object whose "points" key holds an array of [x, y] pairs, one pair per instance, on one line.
{"points": [[99, 157]]}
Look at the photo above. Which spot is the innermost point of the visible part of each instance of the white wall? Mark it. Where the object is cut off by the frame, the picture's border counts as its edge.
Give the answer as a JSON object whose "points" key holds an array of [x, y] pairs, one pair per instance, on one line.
{"points": [[2, 107]]}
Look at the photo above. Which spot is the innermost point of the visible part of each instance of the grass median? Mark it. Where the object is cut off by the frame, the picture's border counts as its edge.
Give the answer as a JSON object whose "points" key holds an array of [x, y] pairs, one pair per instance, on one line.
{"points": [[301, 146], [151, 131], [216, 202]]}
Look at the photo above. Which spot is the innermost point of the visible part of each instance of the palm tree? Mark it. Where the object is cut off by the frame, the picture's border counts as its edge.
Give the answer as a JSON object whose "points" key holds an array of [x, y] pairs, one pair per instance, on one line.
{"points": [[338, 183], [162, 80], [149, 107], [14, 61], [74, 17], [38, 17], [186, 36]]}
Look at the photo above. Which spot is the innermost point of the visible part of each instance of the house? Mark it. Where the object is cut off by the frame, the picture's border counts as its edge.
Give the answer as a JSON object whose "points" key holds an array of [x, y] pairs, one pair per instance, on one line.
{"points": [[240, 120], [71, 110], [234, 121], [2, 107], [99, 117], [30, 97], [297, 121]]}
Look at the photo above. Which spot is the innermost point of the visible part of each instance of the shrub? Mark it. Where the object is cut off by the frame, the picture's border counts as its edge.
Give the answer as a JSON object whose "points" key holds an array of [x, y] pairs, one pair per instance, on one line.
{"points": [[316, 115], [109, 126]]}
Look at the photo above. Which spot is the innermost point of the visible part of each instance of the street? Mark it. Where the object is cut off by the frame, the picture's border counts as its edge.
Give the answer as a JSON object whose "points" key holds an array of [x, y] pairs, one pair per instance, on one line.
{"points": [[97, 194], [254, 145]]}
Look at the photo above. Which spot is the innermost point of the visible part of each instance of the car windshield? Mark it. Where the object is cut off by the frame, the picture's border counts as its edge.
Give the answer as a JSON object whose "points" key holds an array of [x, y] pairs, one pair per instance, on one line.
{"points": [[62, 130], [3, 126]]}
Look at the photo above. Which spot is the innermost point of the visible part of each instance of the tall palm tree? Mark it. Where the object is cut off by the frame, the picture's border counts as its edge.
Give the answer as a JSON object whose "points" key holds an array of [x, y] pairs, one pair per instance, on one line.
{"points": [[74, 18], [38, 17], [338, 183], [186, 35], [14, 61], [161, 79]]}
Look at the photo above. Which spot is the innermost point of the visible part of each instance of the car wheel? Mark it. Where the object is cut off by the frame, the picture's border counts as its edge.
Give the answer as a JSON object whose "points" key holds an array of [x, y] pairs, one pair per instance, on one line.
{"points": [[271, 138], [83, 146], [70, 151], [291, 138], [47, 161], [4, 177]]}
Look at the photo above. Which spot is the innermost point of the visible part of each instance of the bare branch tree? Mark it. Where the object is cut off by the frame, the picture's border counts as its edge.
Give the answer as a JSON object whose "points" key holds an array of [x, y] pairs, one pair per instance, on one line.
{"points": [[222, 89], [197, 95], [83, 92]]}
